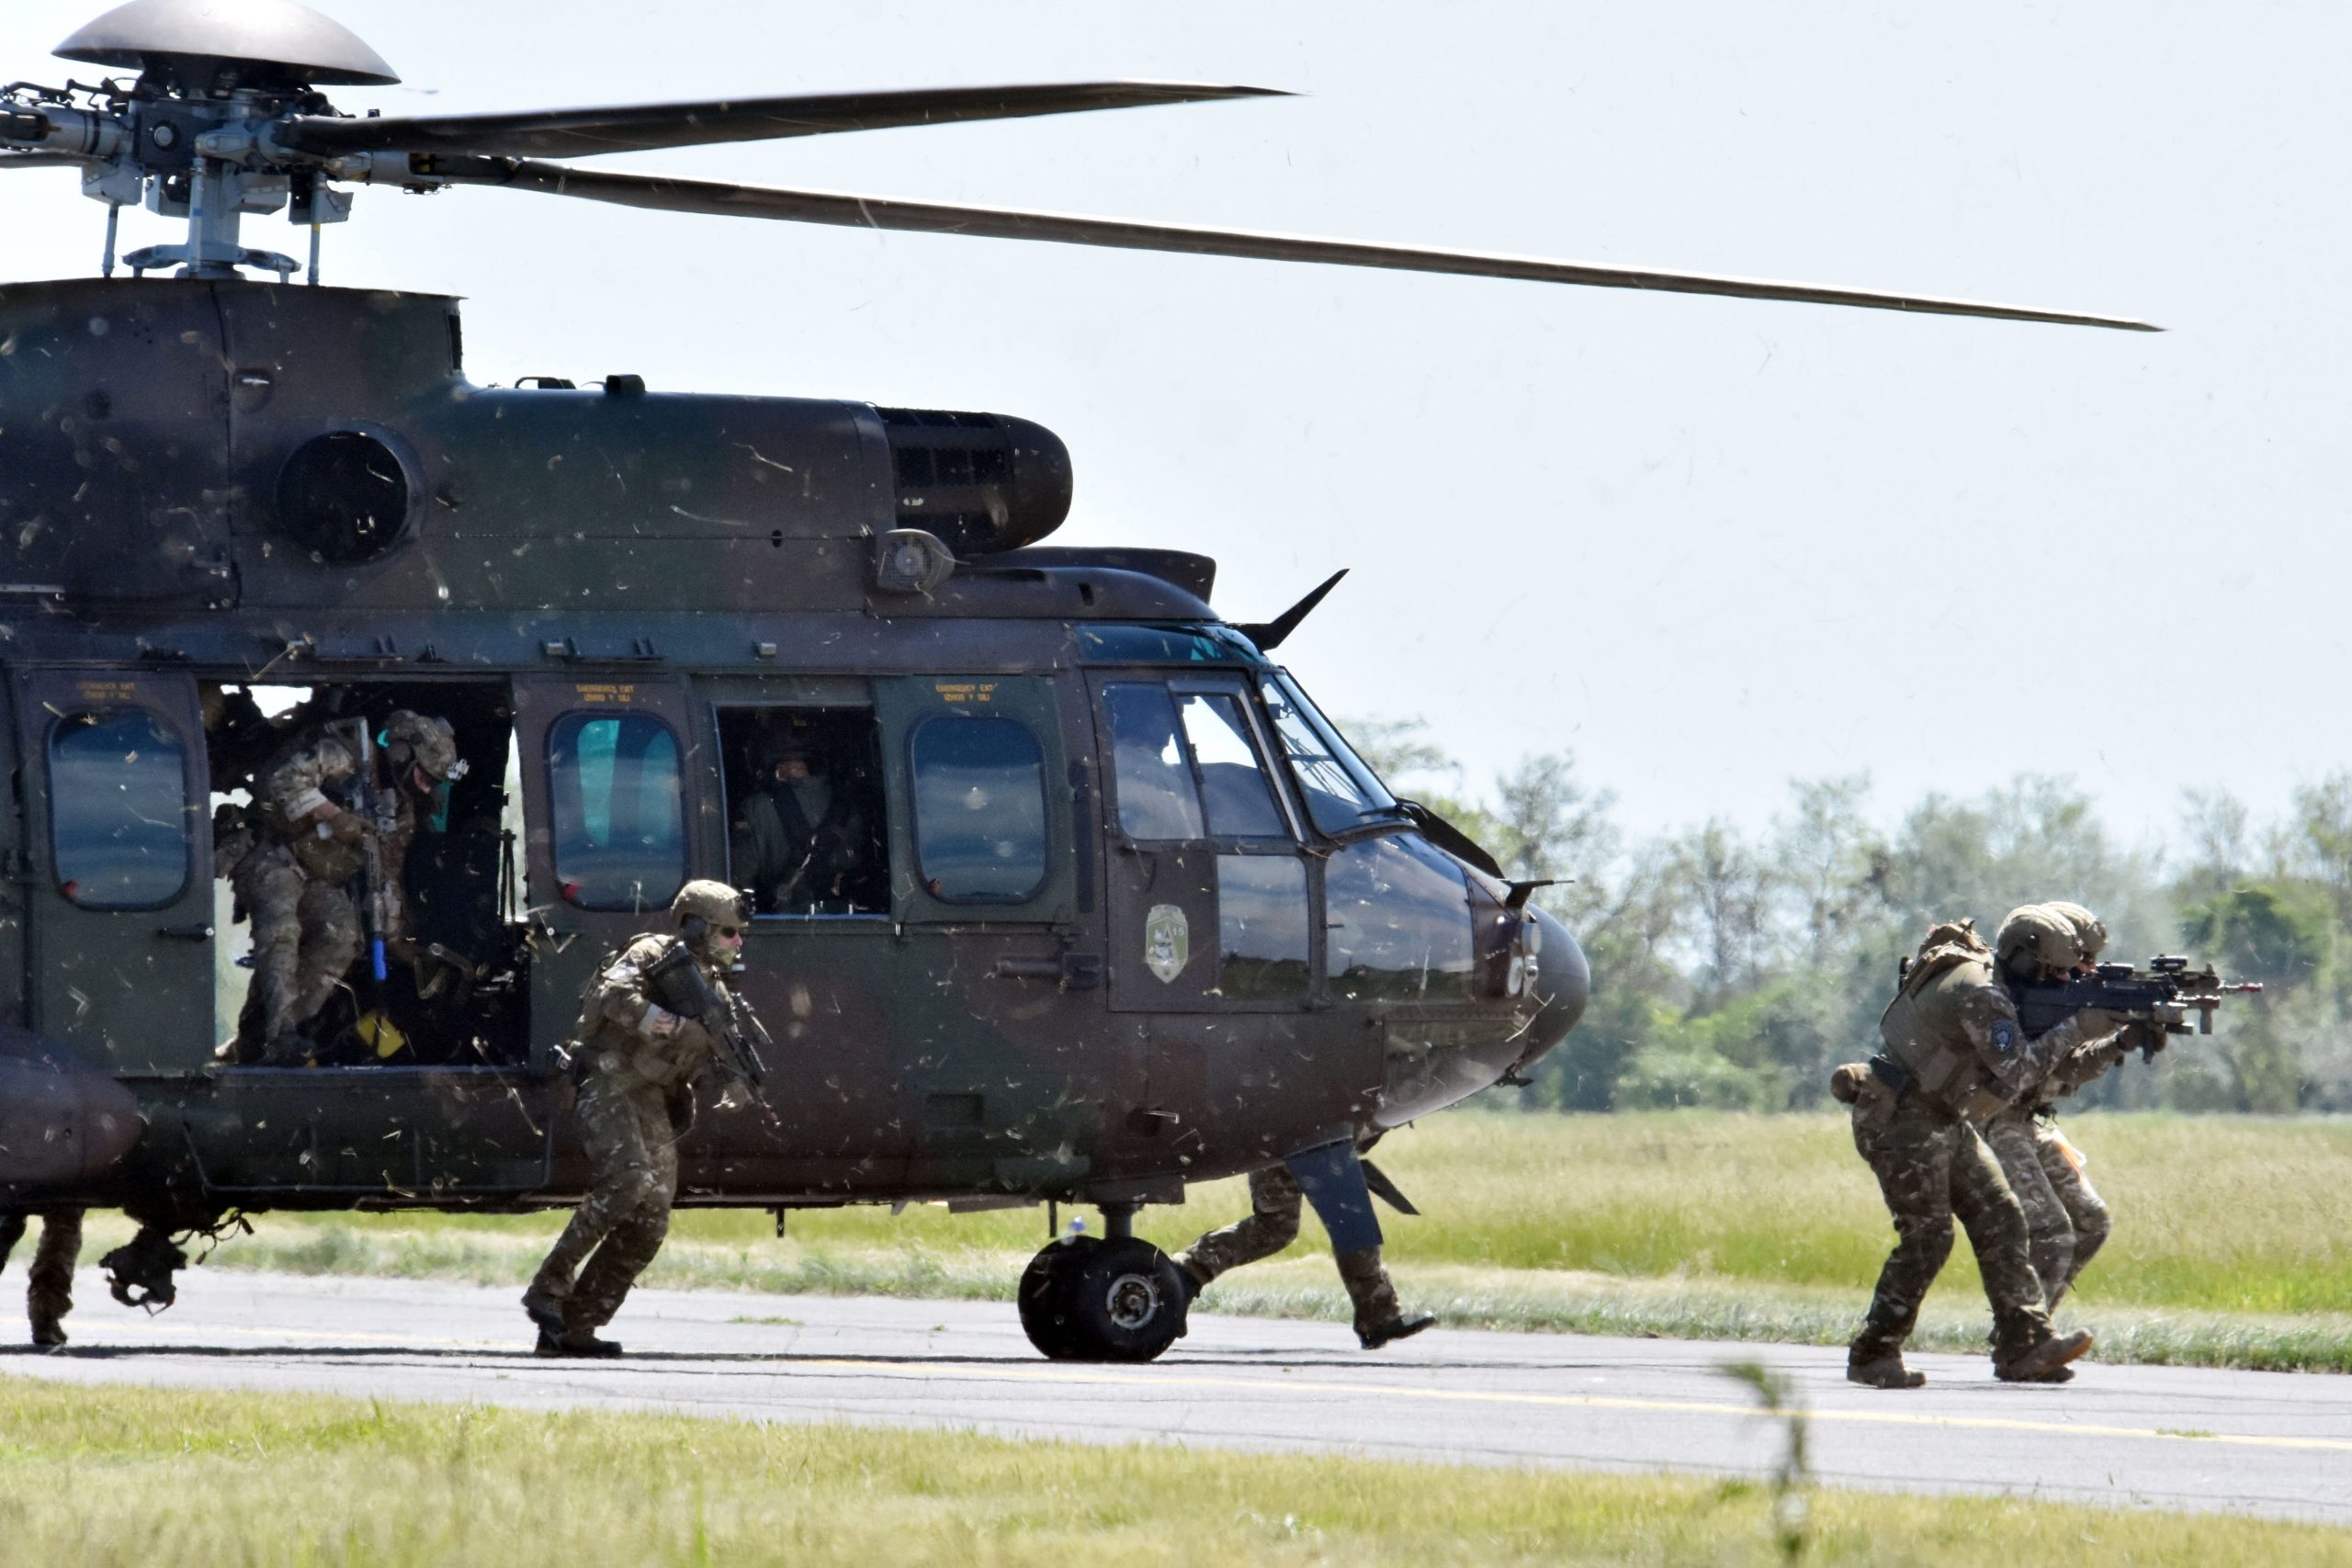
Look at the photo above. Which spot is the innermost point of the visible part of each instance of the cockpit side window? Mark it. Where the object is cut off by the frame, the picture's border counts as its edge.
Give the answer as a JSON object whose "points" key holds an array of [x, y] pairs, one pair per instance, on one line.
{"points": [[1340, 792], [1233, 779], [118, 810], [1159, 797], [619, 818], [1186, 766]]}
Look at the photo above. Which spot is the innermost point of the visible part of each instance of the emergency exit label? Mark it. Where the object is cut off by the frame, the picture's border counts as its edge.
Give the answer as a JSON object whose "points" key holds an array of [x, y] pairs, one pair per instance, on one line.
{"points": [[606, 693], [965, 690]]}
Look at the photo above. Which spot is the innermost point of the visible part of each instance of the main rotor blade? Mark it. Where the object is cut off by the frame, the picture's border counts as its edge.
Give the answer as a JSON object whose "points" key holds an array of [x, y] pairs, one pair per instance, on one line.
{"points": [[38, 160], [578, 133], [665, 195]]}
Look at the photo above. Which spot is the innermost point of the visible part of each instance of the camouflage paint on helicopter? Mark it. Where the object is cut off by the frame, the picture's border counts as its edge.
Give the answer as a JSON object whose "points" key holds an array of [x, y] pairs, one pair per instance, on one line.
{"points": [[1122, 911]]}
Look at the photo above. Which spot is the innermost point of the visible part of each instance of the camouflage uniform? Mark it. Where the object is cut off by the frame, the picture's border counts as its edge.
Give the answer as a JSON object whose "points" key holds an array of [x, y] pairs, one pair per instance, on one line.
{"points": [[296, 885], [639, 1062], [1955, 1053], [1271, 1225], [1932, 1167], [2067, 1221], [790, 859], [49, 1284]]}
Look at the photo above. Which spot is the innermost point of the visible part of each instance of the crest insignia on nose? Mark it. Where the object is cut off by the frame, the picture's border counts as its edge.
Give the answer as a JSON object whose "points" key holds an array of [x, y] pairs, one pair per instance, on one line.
{"points": [[1167, 941]]}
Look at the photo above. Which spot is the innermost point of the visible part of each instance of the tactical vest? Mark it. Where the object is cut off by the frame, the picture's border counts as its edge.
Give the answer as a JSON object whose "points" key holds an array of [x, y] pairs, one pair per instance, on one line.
{"points": [[603, 1043], [1924, 1031]]}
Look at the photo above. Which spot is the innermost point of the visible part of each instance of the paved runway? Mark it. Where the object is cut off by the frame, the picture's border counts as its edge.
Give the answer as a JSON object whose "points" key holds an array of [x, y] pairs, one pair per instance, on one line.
{"points": [[2267, 1443]]}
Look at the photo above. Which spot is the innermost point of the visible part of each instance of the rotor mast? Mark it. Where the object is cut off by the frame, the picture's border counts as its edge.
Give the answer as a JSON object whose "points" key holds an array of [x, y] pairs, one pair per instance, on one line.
{"points": [[189, 138]]}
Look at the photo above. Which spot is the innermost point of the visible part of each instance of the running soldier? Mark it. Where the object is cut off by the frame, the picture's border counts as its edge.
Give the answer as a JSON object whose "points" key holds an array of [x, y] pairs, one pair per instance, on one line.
{"points": [[636, 1064], [1271, 1225]]}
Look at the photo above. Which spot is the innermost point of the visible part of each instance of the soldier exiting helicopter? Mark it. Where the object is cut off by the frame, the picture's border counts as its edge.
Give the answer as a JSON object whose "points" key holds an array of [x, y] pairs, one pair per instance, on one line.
{"points": [[297, 882], [637, 1063], [1276, 1196]]}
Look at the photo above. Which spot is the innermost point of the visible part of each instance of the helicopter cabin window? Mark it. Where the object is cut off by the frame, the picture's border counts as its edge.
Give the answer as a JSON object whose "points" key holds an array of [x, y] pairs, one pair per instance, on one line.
{"points": [[119, 812], [804, 815], [1186, 766], [618, 817], [979, 809]]}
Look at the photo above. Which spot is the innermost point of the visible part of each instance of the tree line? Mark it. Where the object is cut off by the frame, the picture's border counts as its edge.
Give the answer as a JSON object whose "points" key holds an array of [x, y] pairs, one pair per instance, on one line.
{"points": [[1733, 969]]}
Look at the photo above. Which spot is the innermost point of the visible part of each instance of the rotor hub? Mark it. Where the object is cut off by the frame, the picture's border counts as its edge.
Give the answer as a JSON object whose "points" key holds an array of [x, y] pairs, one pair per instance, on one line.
{"points": [[205, 47]]}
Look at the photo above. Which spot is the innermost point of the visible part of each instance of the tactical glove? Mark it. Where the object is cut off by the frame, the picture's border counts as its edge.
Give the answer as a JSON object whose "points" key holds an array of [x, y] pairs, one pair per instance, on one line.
{"points": [[2097, 1023]]}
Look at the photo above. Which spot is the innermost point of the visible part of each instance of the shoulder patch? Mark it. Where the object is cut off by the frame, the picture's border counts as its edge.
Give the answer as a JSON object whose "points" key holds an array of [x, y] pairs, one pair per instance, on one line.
{"points": [[2003, 1034]]}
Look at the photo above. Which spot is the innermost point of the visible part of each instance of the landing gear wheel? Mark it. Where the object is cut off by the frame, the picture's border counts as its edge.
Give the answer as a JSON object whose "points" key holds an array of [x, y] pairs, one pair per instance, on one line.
{"points": [[1089, 1300]]}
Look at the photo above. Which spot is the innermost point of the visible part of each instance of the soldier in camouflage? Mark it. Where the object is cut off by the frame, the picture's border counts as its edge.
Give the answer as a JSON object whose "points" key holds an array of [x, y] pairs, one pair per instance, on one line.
{"points": [[1955, 1055], [1272, 1225], [311, 845], [636, 1064], [2067, 1221], [800, 840], [49, 1284]]}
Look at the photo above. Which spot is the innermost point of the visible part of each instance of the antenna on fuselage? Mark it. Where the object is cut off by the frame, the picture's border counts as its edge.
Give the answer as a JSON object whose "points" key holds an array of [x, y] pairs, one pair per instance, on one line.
{"points": [[1270, 635]]}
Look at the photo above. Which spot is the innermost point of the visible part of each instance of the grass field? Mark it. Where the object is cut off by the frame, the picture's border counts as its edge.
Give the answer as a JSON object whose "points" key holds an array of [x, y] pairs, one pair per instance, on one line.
{"points": [[2232, 1241], [128, 1478]]}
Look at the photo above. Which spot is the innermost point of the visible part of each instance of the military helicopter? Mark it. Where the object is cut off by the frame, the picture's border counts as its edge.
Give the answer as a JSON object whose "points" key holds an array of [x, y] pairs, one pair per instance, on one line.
{"points": [[1120, 910]]}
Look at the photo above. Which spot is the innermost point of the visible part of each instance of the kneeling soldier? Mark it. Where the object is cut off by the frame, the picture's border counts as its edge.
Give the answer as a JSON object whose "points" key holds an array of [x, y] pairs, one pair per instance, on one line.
{"points": [[637, 1062]]}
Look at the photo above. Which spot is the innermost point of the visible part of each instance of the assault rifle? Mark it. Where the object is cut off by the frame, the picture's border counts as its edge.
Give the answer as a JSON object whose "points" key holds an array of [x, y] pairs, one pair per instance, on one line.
{"points": [[2165, 993], [678, 982], [380, 807]]}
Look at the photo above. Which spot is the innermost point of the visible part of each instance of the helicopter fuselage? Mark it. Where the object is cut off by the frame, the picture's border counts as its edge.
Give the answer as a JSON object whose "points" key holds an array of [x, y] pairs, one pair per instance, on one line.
{"points": [[1110, 907]]}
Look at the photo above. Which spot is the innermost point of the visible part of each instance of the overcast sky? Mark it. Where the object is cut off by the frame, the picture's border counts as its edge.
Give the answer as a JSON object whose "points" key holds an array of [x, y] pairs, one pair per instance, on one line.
{"points": [[1708, 544]]}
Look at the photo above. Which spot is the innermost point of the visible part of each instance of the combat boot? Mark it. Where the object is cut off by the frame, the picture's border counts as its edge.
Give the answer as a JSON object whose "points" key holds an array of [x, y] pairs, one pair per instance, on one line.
{"points": [[2044, 1360], [1396, 1328], [48, 1333], [1379, 1320], [577, 1342], [1882, 1371], [546, 1309]]}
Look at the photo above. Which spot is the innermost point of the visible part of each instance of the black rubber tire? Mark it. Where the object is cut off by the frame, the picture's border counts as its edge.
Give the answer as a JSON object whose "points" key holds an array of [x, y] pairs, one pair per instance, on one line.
{"points": [[1045, 1310], [1089, 1300]]}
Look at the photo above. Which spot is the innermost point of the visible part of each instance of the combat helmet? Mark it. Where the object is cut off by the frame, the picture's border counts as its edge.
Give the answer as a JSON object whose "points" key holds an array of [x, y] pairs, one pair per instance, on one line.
{"points": [[776, 748], [2037, 934], [432, 742], [713, 903], [2090, 931]]}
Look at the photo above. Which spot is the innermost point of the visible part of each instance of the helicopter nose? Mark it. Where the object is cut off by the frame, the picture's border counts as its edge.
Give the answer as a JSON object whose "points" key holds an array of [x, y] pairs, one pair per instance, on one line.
{"points": [[1563, 985]]}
